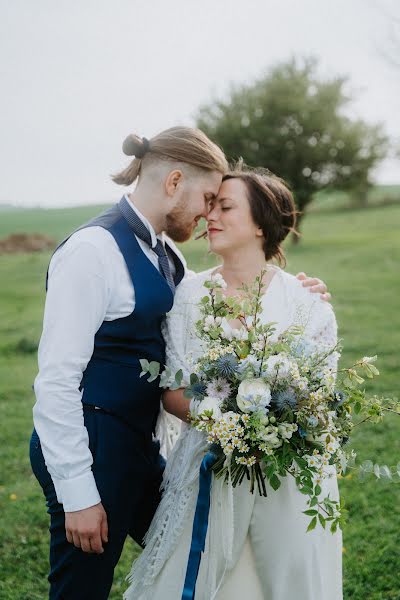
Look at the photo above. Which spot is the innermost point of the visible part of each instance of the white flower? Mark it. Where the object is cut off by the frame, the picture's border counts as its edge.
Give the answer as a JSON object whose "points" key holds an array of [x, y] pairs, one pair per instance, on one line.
{"points": [[230, 416], [327, 377], [270, 436], [302, 384], [286, 430], [313, 461], [219, 280], [239, 333], [227, 332], [210, 403], [278, 367], [329, 442], [233, 333], [253, 394]]}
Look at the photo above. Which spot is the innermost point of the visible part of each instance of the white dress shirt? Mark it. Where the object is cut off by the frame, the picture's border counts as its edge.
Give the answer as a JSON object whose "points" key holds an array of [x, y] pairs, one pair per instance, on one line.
{"points": [[88, 283]]}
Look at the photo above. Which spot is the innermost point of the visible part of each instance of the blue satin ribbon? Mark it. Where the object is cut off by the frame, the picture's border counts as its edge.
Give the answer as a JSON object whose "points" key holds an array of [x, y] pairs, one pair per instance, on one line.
{"points": [[200, 526]]}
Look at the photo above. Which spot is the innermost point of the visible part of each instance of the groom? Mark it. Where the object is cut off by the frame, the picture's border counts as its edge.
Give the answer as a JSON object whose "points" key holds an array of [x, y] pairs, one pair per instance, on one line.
{"points": [[109, 286]]}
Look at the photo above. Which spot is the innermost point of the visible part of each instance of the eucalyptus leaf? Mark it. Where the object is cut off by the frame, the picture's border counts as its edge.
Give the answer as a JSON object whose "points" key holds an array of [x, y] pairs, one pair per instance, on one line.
{"points": [[144, 363], [178, 380]]}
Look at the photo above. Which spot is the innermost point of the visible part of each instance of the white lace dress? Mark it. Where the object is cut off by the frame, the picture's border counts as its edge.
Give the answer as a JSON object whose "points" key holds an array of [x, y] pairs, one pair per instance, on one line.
{"points": [[256, 548]]}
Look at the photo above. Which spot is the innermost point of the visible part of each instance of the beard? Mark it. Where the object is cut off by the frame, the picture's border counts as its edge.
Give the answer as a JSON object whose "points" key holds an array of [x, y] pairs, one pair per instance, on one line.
{"points": [[178, 227]]}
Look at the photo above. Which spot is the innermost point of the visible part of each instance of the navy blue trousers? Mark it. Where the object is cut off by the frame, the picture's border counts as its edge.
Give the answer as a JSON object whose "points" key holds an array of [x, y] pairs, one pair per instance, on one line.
{"points": [[128, 472]]}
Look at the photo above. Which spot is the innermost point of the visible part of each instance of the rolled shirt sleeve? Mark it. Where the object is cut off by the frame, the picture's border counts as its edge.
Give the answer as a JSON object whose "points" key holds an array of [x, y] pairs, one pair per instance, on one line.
{"points": [[76, 304]]}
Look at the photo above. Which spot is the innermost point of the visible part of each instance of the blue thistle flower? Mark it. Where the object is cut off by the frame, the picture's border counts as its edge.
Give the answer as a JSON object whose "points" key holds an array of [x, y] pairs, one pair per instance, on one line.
{"points": [[284, 399], [302, 432], [226, 365], [198, 390]]}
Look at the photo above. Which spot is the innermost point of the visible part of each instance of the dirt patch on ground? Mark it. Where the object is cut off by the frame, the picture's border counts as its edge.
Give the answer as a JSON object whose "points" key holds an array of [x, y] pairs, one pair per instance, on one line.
{"points": [[26, 242]]}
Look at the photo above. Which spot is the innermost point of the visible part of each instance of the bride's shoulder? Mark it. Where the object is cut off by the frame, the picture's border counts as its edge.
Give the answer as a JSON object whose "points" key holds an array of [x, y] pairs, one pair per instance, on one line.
{"points": [[301, 295], [193, 283], [189, 292], [293, 284]]}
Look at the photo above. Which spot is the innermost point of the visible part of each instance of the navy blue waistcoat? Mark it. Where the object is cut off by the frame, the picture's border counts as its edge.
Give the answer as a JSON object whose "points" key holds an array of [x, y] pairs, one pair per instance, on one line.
{"points": [[111, 380]]}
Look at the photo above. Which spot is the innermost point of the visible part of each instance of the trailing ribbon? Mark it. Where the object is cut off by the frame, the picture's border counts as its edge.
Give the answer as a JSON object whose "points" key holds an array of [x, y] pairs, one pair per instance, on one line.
{"points": [[200, 526]]}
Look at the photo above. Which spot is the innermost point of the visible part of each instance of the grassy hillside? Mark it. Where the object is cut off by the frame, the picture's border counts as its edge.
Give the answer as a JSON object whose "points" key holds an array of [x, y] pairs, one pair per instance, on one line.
{"points": [[356, 252], [53, 222]]}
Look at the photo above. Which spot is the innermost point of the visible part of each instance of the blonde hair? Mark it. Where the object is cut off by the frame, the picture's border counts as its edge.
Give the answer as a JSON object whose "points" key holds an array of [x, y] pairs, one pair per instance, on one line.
{"points": [[177, 144]]}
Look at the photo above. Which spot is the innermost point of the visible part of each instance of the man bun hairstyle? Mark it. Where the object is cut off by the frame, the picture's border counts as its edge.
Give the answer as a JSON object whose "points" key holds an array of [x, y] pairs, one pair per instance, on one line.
{"points": [[272, 207], [186, 145], [133, 145]]}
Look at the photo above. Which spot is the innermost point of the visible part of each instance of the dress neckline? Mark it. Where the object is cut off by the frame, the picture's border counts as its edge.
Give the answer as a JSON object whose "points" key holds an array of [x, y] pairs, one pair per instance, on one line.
{"points": [[210, 272], [265, 297]]}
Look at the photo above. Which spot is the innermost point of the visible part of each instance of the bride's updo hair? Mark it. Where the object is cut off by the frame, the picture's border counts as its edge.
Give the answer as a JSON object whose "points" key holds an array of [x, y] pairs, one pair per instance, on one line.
{"points": [[272, 207], [185, 146]]}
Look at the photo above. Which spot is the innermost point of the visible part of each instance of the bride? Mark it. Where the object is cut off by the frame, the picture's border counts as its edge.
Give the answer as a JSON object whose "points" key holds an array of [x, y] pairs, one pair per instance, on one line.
{"points": [[256, 547]]}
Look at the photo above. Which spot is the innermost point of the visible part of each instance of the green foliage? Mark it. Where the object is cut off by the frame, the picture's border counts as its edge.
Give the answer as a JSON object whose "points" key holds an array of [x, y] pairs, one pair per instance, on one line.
{"points": [[151, 368], [357, 253], [293, 123]]}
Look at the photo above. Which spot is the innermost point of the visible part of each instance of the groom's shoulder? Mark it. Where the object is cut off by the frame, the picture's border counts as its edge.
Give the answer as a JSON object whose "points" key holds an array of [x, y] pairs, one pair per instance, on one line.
{"points": [[96, 236], [89, 242]]}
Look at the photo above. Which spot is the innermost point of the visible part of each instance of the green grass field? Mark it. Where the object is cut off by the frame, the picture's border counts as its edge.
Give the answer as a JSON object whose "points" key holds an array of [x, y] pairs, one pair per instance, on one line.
{"points": [[356, 252]]}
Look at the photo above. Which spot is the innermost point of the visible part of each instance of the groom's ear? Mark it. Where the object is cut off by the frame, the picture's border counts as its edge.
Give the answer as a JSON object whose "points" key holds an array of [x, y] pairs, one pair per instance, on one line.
{"points": [[174, 178]]}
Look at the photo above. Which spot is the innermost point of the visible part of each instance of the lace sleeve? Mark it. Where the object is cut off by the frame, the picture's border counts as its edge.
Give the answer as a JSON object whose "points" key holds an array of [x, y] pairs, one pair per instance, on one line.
{"points": [[323, 331], [179, 331]]}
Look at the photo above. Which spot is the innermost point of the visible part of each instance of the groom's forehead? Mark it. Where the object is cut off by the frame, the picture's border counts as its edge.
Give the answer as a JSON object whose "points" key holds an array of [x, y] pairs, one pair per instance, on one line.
{"points": [[212, 184]]}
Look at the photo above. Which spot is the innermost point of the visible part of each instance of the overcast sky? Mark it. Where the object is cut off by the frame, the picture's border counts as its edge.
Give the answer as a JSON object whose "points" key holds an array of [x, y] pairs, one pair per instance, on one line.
{"points": [[77, 77]]}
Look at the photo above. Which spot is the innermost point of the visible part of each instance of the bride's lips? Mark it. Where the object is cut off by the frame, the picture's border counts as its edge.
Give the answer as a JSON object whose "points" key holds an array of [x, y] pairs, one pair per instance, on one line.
{"points": [[213, 230]]}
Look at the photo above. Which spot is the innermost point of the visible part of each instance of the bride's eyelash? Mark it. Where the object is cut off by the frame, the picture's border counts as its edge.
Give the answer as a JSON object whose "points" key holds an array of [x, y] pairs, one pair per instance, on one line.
{"points": [[224, 208]]}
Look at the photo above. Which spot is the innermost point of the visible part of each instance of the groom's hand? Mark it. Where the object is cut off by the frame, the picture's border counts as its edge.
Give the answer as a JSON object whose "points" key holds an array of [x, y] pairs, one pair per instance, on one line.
{"points": [[88, 528], [317, 286]]}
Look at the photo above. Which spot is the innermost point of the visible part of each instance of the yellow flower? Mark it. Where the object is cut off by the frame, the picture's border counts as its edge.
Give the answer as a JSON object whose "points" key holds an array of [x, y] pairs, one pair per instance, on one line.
{"points": [[13, 496], [344, 550]]}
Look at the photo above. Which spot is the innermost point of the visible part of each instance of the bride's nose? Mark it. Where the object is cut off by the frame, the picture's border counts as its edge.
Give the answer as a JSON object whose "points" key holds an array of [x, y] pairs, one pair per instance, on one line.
{"points": [[212, 214]]}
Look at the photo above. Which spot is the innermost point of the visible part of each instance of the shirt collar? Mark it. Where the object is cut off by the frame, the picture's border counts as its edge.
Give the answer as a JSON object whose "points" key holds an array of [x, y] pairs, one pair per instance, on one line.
{"points": [[146, 222]]}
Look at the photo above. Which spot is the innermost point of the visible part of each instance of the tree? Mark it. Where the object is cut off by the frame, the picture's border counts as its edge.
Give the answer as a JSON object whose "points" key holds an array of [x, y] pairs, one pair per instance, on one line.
{"points": [[293, 123]]}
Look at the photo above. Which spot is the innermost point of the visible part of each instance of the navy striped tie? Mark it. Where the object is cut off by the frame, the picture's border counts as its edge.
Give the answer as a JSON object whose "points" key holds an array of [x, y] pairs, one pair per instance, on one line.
{"points": [[140, 229]]}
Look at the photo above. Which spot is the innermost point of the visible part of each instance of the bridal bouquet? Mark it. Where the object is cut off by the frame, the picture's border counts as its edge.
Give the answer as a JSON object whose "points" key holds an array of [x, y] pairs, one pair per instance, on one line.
{"points": [[273, 405]]}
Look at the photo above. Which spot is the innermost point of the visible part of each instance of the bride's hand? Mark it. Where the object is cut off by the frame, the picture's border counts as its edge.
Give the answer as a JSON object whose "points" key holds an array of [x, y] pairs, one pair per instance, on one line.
{"points": [[317, 286], [87, 529]]}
